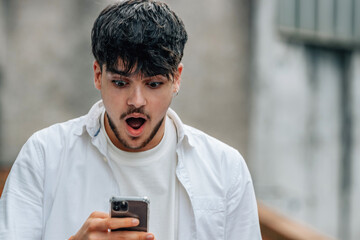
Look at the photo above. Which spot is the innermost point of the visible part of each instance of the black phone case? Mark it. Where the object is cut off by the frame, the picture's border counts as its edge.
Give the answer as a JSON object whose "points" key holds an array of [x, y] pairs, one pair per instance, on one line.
{"points": [[137, 208]]}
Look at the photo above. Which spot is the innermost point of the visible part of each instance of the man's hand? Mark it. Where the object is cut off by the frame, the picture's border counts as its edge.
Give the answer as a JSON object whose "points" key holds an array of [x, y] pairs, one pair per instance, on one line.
{"points": [[98, 223]]}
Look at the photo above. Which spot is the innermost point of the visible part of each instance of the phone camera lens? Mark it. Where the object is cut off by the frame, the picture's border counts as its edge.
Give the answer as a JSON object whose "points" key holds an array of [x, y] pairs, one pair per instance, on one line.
{"points": [[121, 206], [124, 206], [116, 206]]}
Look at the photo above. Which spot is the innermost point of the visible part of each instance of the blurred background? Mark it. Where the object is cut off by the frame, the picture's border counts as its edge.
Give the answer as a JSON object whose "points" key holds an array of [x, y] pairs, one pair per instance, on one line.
{"points": [[277, 79]]}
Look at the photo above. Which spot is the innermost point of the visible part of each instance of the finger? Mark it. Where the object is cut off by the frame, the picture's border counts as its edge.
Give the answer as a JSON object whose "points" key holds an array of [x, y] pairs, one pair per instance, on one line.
{"points": [[98, 236], [97, 221], [98, 215], [132, 235], [115, 223], [97, 225]]}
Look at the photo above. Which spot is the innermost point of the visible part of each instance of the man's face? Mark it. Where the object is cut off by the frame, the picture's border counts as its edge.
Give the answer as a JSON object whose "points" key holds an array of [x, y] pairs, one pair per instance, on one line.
{"points": [[136, 106]]}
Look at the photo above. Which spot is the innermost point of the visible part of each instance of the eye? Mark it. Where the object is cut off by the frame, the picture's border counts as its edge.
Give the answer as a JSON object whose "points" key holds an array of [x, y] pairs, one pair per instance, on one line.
{"points": [[154, 84], [119, 83]]}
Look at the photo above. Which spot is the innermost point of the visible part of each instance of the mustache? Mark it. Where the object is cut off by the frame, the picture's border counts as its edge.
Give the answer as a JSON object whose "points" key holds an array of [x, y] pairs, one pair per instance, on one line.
{"points": [[134, 110]]}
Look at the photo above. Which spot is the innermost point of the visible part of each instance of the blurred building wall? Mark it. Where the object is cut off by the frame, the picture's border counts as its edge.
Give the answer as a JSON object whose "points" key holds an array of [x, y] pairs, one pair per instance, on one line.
{"points": [[2, 64], [47, 69], [304, 128], [355, 154], [47, 75], [215, 93]]}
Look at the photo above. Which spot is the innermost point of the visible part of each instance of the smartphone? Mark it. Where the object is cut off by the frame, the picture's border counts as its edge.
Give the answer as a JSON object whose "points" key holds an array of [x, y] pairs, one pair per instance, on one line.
{"points": [[134, 207]]}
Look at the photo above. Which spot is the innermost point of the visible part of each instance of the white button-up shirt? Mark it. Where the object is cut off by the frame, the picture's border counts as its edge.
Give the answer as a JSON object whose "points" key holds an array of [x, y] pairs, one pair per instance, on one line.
{"points": [[61, 175]]}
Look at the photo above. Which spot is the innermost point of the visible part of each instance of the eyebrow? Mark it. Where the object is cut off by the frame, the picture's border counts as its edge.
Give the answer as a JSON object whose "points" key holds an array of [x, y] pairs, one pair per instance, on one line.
{"points": [[126, 74]]}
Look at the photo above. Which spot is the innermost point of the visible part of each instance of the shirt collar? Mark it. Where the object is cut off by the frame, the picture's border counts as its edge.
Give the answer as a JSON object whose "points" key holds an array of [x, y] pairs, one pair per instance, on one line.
{"points": [[183, 134], [92, 120]]}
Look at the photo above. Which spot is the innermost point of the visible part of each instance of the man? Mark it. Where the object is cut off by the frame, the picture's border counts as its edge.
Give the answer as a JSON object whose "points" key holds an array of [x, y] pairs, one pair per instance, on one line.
{"points": [[130, 144]]}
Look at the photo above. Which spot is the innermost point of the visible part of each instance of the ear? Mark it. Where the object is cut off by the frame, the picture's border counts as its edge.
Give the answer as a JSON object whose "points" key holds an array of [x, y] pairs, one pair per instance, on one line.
{"points": [[97, 75], [177, 78]]}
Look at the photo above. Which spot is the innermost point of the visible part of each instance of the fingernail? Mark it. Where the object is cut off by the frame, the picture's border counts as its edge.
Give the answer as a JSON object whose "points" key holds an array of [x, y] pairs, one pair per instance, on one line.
{"points": [[135, 221], [149, 237]]}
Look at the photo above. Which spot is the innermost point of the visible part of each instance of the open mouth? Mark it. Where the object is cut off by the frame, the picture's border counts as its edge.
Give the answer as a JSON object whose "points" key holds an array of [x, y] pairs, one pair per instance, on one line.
{"points": [[135, 123]]}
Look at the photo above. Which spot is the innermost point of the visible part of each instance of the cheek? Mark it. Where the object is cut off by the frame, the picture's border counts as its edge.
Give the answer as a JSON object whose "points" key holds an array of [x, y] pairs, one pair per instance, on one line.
{"points": [[162, 104], [113, 104], [163, 98]]}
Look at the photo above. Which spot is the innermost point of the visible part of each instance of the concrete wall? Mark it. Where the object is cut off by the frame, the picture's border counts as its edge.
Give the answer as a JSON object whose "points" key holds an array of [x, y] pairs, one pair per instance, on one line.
{"points": [[355, 183], [2, 60], [302, 139], [214, 95], [48, 67], [47, 72]]}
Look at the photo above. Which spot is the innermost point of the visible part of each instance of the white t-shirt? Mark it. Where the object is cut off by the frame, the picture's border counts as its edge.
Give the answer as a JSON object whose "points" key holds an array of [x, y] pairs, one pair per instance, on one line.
{"points": [[150, 173]]}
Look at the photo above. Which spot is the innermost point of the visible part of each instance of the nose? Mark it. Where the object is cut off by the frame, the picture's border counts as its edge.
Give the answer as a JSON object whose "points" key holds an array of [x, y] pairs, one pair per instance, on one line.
{"points": [[136, 98]]}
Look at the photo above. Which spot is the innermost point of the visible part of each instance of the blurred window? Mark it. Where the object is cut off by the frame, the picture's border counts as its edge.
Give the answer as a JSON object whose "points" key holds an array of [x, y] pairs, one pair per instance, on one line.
{"points": [[324, 22]]}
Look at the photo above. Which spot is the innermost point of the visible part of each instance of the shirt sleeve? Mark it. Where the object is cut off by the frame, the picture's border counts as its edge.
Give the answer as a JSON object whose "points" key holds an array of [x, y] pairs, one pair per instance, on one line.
{"points": [[22, 198], [242, 220]]}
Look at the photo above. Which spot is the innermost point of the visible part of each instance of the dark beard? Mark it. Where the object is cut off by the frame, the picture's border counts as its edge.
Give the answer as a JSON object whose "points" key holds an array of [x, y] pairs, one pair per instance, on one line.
{"points": [[124, 143]]}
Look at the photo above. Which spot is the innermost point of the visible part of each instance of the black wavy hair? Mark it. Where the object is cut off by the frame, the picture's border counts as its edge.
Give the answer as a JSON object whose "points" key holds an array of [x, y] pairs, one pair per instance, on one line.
{"points": [[145, 34]]}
